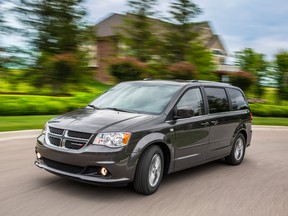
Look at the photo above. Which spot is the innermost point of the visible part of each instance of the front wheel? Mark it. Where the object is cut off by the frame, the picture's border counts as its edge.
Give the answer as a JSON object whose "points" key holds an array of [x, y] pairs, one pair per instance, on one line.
{"points": [[238, 151], [149, 171]]}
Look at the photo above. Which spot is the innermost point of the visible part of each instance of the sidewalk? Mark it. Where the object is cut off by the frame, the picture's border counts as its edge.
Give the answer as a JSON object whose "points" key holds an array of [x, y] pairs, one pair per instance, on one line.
{"points": [[267, 127], [23, 134]]}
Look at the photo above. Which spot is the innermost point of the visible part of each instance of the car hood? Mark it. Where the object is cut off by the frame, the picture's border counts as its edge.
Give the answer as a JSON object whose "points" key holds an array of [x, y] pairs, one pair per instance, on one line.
{"points": [[92, 121]]}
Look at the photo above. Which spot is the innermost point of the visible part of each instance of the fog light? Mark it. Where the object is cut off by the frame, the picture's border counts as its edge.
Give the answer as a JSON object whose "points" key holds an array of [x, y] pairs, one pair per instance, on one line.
{"points": [[103, 171], [38, 155]]}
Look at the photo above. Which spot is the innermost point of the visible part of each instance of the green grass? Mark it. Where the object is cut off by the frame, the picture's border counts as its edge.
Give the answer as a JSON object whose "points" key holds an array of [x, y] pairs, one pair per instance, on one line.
{"points": [[12, 123], [270, 121]]}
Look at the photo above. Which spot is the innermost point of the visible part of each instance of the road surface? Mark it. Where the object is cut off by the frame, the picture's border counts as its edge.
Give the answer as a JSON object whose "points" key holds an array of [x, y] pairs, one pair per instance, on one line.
{"points": [[259, 186]]}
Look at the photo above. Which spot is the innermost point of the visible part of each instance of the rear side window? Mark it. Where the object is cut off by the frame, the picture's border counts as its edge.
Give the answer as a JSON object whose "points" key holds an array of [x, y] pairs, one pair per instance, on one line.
{"points": [[237, 99], [217, 100]]}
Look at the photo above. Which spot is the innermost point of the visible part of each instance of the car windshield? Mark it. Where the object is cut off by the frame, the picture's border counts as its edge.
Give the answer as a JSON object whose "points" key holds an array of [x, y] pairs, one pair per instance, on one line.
{"points": [[136, 97]]}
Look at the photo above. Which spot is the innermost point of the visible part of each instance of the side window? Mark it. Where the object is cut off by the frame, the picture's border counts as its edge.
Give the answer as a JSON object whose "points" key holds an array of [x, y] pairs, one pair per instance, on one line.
{"points": [[217, 100], [237, 99], [193, 100]]}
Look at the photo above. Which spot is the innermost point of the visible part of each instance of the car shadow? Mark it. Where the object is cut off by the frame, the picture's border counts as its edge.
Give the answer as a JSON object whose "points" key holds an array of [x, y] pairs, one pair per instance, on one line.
{"points": [[88, 191]]}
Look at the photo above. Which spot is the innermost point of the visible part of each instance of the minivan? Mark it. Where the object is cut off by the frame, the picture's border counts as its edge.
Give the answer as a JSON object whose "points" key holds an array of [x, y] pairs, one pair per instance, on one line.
{"points": [[138, 131]]}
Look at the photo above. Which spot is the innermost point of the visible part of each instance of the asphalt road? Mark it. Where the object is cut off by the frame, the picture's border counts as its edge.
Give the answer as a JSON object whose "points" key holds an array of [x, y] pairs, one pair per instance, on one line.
{"points": [[259, 186]]}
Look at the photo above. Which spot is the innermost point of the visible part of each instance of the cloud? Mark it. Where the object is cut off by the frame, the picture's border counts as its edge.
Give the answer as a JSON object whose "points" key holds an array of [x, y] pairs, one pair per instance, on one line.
{"points": [[261, 25], [97, 10], [270, 45]]}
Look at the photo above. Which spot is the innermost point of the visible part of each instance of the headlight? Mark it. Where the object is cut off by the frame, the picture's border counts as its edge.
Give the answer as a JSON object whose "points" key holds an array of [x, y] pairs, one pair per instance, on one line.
{"points": [[44, 130], [112, 140]]}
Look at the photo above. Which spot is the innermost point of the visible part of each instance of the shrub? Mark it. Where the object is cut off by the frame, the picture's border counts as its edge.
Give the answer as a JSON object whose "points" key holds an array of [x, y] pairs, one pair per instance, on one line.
{"points": [[242, 80], [157, 71], [12, 105], [182, 70], [265, 110], [127, 69]]}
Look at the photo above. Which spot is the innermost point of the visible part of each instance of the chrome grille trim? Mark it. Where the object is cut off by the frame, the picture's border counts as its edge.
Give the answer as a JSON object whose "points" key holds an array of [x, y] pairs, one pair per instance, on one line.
{"points": [[56, 131], [60, 138]]}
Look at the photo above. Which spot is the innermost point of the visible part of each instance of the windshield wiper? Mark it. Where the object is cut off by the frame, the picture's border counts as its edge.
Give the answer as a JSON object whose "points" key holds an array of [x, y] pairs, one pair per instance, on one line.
{"points": [[94, 107], [116, 109]]}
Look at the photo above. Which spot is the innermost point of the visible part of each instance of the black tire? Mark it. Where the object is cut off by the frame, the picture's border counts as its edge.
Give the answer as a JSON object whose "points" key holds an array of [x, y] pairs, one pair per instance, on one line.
{"points": [[236, 156], [145, 166]]}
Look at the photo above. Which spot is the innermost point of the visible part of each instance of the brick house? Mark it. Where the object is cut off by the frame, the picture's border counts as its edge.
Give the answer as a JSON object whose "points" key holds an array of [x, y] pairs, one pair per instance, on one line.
{"points": [[108, 45]]}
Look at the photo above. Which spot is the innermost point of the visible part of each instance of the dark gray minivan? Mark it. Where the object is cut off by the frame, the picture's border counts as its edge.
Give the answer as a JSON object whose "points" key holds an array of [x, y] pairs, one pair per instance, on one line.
{"points": [[138, 131]]}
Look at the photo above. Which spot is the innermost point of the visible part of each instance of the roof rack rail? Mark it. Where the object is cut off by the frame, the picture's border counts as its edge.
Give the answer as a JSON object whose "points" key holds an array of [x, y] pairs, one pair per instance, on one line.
{"points": [[206, 81], [147, 79]]}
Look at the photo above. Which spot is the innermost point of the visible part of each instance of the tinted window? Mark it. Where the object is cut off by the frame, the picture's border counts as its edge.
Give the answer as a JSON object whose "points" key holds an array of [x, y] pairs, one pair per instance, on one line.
{"points": [[237, 99], [192, 99], [217, 100]]}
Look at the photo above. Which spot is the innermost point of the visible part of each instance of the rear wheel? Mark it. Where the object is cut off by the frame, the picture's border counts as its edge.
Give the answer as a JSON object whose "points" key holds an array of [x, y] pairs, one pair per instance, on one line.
{"points": [[149, 171], [238, 151]]}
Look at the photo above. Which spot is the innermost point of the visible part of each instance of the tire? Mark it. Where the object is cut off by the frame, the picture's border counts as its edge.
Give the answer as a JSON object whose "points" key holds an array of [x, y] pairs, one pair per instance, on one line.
{"points": [[238, 151], [149, 171]]}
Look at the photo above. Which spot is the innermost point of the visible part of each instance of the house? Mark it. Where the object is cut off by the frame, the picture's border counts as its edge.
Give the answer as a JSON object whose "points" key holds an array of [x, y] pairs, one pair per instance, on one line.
{"points": [[108, 45]]}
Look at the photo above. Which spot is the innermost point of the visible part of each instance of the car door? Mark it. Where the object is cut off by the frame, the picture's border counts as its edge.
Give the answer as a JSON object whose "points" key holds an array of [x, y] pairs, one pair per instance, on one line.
{"points": [[192, 137], [221, 120]]}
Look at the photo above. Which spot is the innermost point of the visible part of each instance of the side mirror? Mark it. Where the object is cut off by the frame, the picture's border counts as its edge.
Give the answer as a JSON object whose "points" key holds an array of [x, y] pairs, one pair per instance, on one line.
{"points": [[184, 112]]}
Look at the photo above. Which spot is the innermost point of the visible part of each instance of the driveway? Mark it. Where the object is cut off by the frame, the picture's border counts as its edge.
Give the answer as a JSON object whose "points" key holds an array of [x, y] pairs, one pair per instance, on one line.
{"points": [[259, 186]]}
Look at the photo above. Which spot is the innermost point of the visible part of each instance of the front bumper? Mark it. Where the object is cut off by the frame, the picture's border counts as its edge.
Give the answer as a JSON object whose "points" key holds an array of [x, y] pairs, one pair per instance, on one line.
{"points": [[83, 165]]}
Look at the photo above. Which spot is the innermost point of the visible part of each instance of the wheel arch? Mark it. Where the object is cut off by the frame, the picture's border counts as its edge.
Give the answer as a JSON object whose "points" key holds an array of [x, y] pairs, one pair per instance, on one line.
{"points": [[244, 133], [241, 129], [164, 144]]}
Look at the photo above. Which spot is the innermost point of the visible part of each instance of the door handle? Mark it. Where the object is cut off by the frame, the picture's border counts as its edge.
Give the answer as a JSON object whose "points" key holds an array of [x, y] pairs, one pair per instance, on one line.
{"points": [[215, 122], [205, 124]]}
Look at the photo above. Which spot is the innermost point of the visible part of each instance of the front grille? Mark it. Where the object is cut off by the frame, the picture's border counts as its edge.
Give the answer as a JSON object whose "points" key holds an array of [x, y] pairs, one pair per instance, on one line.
{"points": [[77, 134], [68, 139], [56, 130], [73, 144], [54, 140], [63, 167]]}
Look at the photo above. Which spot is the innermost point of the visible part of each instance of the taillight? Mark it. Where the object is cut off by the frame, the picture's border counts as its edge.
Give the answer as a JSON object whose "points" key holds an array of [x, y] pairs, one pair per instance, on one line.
{"points": [[251, 116]]}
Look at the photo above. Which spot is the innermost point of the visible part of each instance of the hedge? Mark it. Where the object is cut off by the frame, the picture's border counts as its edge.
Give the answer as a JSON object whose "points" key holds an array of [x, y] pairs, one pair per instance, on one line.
{"points": [[13, 105], [265, 110]]}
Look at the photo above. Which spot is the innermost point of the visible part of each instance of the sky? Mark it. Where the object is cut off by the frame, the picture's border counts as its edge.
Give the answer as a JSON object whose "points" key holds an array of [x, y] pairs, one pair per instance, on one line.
{"points": [[258, 24]]}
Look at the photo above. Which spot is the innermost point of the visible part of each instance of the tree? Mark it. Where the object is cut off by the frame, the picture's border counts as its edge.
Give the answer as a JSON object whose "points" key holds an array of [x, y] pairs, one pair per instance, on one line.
{"points": [[55, 31], [137, 33], [253, 62], [2, 32], [182, 42], [203, 61], [180, 30], [282, 74]]}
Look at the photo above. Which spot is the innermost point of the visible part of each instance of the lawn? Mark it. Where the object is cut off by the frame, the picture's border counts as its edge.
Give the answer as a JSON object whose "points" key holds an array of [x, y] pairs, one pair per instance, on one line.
{"points": [[12, 123]]}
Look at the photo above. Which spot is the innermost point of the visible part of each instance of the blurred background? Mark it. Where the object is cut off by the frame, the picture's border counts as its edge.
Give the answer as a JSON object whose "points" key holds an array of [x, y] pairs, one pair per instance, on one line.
{"points": [[55, 57]]}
